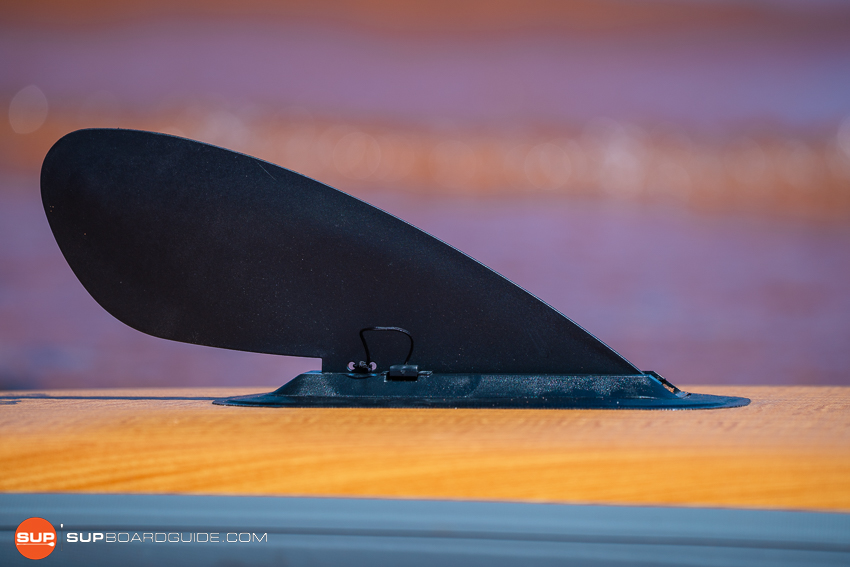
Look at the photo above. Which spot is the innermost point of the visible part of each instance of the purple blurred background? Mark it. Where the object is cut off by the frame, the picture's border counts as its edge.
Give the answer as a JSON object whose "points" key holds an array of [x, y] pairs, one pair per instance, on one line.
{"points": [[674, 176]]}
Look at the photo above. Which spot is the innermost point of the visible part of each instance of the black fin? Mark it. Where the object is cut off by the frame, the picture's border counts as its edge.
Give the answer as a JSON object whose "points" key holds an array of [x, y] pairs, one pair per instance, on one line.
{"points": [[194, 243]]}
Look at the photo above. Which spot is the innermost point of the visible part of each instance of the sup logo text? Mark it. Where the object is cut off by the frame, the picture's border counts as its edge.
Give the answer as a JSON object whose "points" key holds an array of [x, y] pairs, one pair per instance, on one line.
{"points": [[35, 538]]}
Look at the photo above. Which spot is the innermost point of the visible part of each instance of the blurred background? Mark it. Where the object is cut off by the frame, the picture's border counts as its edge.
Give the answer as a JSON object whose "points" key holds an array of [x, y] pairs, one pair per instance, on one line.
{"points": [[673, 175]]}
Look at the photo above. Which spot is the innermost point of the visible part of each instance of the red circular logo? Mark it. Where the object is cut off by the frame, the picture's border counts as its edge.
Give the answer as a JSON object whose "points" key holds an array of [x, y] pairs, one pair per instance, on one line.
{"points": [[35, 538]]}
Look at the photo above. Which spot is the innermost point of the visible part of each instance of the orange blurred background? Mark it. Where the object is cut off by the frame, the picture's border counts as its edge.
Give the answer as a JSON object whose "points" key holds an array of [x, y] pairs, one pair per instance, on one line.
{"points": [[673, 175]]}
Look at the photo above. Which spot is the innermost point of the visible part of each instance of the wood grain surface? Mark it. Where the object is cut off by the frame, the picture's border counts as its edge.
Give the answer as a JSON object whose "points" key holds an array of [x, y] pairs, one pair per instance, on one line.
{"points": [[790, 449]]}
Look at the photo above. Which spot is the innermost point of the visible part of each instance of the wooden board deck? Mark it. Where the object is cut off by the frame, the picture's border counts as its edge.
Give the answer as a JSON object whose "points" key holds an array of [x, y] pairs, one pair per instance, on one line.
{"points": [[790, 449]]}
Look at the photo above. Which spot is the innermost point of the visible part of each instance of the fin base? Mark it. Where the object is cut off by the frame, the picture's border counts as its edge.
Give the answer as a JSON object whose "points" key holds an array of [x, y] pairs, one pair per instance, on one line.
{"points": [[483, 391]]}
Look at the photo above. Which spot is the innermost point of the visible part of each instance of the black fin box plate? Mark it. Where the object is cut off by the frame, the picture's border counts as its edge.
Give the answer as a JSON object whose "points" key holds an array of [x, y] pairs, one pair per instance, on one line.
{"points": [[513, 391]]}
